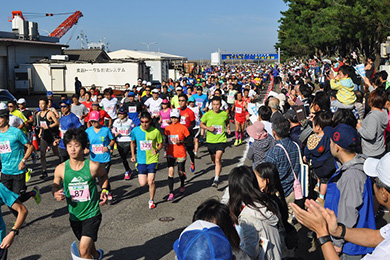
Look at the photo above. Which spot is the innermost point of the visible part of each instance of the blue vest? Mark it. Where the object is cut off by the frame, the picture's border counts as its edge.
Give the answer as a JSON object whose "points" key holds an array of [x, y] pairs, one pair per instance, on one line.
{"points": [[366, 211]]}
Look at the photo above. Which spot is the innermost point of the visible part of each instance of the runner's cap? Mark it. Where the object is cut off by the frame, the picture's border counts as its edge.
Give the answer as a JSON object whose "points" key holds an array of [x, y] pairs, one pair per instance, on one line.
{"points": [[203, 240], [175, 113], [65, 101], [131, 94], [144, 82], [378, 168], [155, 91], [199, 88], [94, 116], [21, 101], [122, 110], [179, 88], [165, 101], [149, 84], [191, 99], [49, 93]]}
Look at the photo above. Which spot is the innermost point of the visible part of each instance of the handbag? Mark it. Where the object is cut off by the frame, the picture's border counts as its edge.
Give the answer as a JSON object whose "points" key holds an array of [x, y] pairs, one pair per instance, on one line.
{"points": [[304, 173], [299, 200]]}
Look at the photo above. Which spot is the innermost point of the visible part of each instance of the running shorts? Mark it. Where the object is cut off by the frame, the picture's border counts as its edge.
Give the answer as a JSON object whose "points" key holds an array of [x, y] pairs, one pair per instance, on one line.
{"points": [[213, 148], [147, 168], [88, 227]]}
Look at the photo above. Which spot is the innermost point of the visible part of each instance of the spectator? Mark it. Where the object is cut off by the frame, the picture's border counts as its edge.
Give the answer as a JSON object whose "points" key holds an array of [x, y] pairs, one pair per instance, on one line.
{"points": [[262, 143], [273, 103]]}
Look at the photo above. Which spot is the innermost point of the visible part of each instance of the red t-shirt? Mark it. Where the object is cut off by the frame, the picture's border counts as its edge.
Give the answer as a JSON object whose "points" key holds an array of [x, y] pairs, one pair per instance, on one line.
{"points": [[176, 131], [186, 117], [87, 105]]}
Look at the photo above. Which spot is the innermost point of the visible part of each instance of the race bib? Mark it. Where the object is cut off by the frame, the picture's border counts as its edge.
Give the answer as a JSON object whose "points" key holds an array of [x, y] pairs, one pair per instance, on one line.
{"points": [[183, 120], [43, 124], [238, 110], [132, 109], [171, 139], [5, 147], [109, 108], [146, 145], [165, 122], [97, 148], [218, 129], [156, 113], [199, 104], [79, 193], [231, 97], [123, 131]]}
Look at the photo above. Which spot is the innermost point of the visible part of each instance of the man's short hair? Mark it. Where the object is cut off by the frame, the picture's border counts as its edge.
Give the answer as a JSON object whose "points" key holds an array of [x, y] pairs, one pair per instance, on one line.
{"points": [[273, 103], [182, 95], [265, 113], [322, 100], [108, 91], [281, 126], [216, 99], [77, 134]]}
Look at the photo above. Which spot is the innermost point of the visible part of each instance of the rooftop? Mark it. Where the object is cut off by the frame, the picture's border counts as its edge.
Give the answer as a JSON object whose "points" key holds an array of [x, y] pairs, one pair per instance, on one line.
{"points": [[144, 55]]}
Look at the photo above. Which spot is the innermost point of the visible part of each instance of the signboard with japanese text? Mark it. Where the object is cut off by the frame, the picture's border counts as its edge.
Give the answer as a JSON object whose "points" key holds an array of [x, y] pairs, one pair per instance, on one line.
{"points": [[246, 56]]}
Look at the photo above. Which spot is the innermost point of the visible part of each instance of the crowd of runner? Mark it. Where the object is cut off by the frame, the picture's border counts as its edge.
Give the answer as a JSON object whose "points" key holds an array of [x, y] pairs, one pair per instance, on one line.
{"points": [[317, 135]]}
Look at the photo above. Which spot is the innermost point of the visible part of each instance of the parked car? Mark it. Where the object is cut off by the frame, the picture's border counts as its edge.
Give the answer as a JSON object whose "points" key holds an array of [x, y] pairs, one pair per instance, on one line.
{"points": [[6, 96]]}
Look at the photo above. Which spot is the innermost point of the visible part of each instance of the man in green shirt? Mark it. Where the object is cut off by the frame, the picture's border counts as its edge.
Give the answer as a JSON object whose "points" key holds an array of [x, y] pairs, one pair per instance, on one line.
{"points": [[214, 122], [79, 189]]}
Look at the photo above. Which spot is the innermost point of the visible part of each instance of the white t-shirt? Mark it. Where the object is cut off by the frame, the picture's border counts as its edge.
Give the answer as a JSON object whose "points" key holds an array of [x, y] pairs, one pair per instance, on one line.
{"points": [[196, 111], [123, 128], [154, 106], [15, 121], [382, 251], [110, 106]]}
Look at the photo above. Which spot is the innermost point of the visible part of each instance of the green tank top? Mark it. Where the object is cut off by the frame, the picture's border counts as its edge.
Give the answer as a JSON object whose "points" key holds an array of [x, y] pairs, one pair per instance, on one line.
{"points": [[81, 193]]}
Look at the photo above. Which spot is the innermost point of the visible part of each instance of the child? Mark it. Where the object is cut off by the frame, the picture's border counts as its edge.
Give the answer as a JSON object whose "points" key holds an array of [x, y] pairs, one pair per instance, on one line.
{"points": [[318, 151], [344, 84]]}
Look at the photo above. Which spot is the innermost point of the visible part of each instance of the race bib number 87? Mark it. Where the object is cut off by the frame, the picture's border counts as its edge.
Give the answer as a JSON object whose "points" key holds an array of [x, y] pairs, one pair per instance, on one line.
{"points": [[79, 193]]}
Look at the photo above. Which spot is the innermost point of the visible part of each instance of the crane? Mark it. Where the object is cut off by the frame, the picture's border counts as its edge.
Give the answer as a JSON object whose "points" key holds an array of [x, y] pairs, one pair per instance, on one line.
{"points": [[63, 28]]}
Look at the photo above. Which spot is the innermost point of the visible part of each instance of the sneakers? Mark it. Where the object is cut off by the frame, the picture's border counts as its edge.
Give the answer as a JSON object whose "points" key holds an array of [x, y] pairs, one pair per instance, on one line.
{"points": [[101, 254], [197, 156], [185, 176], [28, 175], [34, 158], [182, 189], [192, 167], [109, 198], [239, 141], [43, 176], [215, 184], [236, 142], [151, 204], [128, 175], [170, 198], [37, 194]]}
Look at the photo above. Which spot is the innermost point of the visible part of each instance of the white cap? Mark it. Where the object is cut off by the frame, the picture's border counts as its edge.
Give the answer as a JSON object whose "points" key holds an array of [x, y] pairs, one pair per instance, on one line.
{"points": [[21, 101], [3, 106], [155, 91], [139, 79], [179, 88], [378, 168], [149, 84], [175, 113], [144, 82]]}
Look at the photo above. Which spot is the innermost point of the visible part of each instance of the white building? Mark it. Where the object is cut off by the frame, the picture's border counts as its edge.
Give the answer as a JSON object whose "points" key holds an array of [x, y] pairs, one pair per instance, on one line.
{"points": [[162, 65]]}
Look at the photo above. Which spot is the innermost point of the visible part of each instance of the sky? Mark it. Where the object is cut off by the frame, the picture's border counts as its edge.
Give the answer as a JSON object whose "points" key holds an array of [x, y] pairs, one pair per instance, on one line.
{"points": [[193, 29]]}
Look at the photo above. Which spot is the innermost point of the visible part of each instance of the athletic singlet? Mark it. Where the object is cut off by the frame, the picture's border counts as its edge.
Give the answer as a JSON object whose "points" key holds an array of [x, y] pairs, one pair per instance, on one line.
{"points": [[47, 134], [81, 193], [239, 109]]}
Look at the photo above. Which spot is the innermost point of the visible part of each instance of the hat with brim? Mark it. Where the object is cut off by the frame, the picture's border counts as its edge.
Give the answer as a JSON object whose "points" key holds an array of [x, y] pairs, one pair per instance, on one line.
{"points": [[257, 131], [378, 168]]}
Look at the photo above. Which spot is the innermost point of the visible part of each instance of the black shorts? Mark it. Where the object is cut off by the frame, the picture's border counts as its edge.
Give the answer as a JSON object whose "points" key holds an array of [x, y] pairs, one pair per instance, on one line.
{"points": [[180, 165], [213, 148], [88, 227], [15, 183]]}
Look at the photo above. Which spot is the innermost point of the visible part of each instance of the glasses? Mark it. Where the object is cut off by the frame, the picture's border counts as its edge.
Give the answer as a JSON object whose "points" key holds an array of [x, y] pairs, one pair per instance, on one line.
{"points": [[10, 106], [145, 122], [99, 98], [182, 100], [63, 106]]}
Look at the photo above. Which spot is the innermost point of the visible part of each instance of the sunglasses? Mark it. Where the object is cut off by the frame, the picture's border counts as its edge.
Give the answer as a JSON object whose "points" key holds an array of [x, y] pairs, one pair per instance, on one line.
{"points": [[182, 100], [10, 106], [145, 122], [63, 106]]}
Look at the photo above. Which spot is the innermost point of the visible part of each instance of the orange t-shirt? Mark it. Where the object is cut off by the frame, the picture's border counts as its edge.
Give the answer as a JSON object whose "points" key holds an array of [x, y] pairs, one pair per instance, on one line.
{"points": [[176, 131]]}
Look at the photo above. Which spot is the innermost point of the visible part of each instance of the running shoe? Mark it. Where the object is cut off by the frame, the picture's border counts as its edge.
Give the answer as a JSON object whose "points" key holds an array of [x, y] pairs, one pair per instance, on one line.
{"points": [[37, 194], [182, 190], [192, 167], [170, 198], [215, 184], [101, 254], [128, 175], [240, 141], [43, 176], [197, 156], [151, 204], [185, 175], [236, 142], [28, 174], [109, 198]]}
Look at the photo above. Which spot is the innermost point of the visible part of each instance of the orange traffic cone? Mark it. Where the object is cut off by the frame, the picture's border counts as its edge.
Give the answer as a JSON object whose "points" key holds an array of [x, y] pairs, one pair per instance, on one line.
{"points": [[35, 141]]}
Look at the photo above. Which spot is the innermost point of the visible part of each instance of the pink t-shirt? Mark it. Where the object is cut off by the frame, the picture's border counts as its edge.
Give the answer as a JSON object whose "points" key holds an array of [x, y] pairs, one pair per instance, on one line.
{"points": [[165, 117]]}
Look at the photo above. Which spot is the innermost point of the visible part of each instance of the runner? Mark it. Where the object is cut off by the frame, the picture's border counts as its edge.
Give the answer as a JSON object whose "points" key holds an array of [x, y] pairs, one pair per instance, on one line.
{"points": [[240, 113], [149, 142], [122, 128], [48, 123], [187, 118], [103, 114], [11, 200], [215, 121], [79, 189], [165, 120], [175, 99], [13, 158], [224, 105], [79, 109], [196, 131], [109, 104], [153, 105], [176, 152], [101, 143], [67, 121], [30, 122]]}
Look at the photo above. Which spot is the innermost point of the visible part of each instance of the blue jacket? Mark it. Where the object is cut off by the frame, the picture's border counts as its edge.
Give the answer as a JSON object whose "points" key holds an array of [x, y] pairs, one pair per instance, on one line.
{"points": [[349, 195]]}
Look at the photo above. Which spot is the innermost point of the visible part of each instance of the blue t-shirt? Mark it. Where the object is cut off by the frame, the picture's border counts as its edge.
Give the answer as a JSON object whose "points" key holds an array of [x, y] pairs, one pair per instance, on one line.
{"points": [[8, 198], [97, 142], [12, 150], [67, 122], [200, 101]]}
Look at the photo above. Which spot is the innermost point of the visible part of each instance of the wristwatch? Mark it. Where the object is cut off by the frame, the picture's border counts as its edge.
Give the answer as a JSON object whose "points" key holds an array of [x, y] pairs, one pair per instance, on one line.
{"points": [[16, 231], [24, 160], [322, 240]]}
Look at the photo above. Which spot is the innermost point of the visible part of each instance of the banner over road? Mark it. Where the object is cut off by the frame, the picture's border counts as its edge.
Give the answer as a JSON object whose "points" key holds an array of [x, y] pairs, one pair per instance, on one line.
{"points": [[263, 56]]}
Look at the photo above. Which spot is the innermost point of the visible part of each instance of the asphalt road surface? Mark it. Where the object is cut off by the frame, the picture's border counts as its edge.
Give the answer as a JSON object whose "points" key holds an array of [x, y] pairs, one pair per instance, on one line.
{"points": [[129, 230]]}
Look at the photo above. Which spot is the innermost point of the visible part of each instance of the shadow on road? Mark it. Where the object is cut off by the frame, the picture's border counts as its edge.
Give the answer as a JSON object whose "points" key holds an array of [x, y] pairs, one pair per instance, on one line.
{"points": [[155, 248]]}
